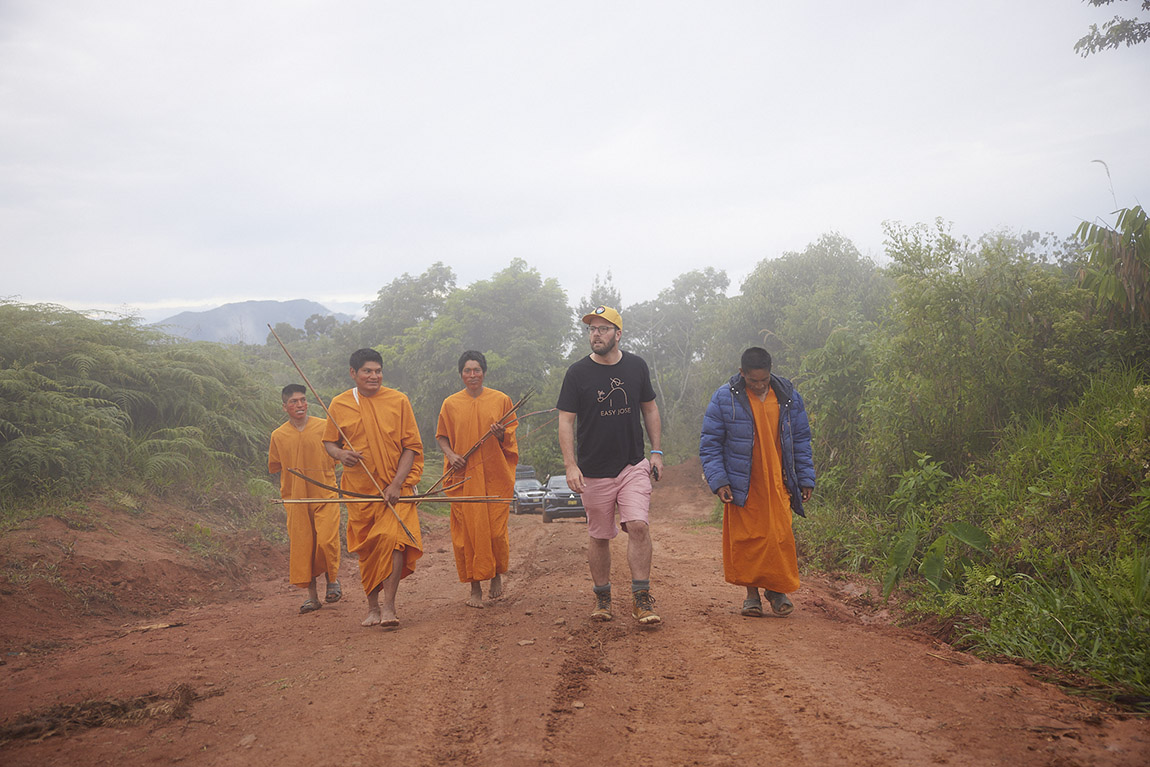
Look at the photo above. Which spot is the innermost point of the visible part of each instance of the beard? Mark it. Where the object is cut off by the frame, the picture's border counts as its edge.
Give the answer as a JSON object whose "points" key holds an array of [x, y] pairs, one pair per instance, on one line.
{"points": [[607, 346]]}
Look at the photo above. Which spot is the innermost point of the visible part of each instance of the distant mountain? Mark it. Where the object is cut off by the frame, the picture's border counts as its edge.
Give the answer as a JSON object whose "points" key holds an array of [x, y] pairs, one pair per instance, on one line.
{"points": [[243, 322]]}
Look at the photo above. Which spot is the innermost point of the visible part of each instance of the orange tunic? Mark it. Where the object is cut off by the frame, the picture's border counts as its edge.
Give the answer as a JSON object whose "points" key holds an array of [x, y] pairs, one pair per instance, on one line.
{"points": [[758, 543], [313, 528], [479, 530], [380, 428]]}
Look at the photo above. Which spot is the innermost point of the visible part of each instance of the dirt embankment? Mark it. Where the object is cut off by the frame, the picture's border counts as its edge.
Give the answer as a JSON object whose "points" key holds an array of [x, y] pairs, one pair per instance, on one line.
{"points": [[528, 680]]}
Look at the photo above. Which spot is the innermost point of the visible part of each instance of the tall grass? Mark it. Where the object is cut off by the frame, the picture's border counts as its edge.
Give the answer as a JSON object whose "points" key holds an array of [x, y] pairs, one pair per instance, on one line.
{"points": [[1064, 501]]}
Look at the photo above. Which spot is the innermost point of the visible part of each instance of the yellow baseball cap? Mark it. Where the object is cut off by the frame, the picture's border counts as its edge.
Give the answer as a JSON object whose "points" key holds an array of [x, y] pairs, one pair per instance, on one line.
{"points": [[606, 313]]}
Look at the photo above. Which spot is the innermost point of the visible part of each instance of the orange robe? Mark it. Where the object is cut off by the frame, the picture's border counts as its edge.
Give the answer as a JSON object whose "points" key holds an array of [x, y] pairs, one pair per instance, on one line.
{"points": [[313, 528], [758, 543], [380, 428], [479, 530]]}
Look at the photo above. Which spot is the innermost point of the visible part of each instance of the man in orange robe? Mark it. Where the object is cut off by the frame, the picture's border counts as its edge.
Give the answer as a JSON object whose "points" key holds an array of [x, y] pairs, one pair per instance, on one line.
{"points": [[478, 530], [756, 452], [382, 451], [313, 528]]}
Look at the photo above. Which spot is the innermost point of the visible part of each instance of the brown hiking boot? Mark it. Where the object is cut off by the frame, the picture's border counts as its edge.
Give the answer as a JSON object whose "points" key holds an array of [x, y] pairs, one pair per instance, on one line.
{"points": [[644, 609], [602, 611]]}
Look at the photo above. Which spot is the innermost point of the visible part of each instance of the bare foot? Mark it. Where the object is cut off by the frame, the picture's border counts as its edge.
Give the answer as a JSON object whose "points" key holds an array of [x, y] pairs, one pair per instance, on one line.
{"points": [[373, 618], [476, 598], [388, 619], [496, 589]]}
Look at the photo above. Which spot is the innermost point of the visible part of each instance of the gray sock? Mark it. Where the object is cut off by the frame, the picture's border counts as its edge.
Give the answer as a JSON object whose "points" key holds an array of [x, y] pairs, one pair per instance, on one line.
{"points": [[640, 586], [604, 589]]}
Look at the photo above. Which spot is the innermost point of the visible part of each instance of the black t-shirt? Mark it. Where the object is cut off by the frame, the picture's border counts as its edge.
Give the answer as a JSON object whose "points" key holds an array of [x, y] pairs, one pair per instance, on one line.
{"points": [[606, 401]]}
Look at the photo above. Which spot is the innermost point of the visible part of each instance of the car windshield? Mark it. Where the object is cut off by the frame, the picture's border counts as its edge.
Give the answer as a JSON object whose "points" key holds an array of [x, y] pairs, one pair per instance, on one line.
{"points": [[557, 483], [527, 484]]}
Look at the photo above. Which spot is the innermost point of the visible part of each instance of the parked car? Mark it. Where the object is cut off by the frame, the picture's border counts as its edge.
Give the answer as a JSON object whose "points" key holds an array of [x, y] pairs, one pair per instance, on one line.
{"points": [[528, 496], [523, 471], [561, 500]]}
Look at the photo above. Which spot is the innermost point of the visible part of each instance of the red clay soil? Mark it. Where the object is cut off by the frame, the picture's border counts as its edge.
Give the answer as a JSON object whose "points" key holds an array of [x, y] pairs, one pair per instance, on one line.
{"points": [[123, 609]]}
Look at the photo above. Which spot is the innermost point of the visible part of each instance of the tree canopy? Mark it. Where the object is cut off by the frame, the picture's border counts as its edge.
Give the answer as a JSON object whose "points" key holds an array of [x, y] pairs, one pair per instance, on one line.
{"points": [[1115, 33]]}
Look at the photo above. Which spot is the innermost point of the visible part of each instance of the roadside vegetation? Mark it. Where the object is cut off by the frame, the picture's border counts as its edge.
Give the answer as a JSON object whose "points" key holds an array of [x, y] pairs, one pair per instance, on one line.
{"points": [[102, 404], [980, 409]]}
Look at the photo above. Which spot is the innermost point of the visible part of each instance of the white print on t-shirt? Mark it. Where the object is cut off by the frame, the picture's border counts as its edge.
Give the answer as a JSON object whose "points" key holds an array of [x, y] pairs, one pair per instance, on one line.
{"points": [[616, 386]]}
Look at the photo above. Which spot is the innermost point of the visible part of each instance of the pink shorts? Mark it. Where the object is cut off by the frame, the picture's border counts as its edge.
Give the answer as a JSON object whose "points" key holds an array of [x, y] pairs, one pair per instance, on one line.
{"points": [[630, 491]]}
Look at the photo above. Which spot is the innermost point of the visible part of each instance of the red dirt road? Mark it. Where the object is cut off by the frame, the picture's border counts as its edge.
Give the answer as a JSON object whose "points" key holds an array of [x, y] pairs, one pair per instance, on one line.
{"points": [[528, 680]]}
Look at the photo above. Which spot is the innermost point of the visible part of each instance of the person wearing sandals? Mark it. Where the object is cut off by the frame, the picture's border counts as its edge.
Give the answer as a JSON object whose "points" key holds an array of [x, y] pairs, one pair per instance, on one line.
{"points": [[607, 392], [479, 535], [756, 453], [371, 430], [313, 528]]}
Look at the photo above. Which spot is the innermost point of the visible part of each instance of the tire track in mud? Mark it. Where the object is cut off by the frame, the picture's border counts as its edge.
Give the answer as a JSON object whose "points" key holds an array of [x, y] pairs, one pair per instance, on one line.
{"points": [[478, 672], [771, 700], [645, 682]]}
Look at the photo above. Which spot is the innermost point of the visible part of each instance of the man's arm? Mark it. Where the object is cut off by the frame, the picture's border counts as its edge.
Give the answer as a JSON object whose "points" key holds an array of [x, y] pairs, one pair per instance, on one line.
{"points": [[654, 426], [803, 458], [567, 446], [712, 437], [346, 457], [274, 465], [402, 469], [454, 459]]}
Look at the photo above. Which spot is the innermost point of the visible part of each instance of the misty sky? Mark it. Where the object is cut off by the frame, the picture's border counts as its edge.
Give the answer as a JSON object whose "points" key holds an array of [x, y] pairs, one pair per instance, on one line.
{"points": [[158, 155]]}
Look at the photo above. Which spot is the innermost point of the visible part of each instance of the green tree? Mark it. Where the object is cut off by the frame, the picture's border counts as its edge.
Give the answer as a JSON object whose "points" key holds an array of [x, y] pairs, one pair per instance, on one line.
{"points": [[287, 332], [519, 320], [603, 293], [790, 305], [1118, 272], [404, 303], [319, 325], [977, 334], [1114, 33], [671, 333]]}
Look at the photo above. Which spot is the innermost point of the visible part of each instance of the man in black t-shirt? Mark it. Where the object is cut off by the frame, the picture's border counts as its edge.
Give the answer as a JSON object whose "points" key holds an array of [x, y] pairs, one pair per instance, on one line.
{"points": [[607, 392]]}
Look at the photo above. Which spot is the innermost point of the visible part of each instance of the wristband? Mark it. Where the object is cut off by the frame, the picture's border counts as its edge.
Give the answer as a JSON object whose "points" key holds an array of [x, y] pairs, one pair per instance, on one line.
{"points": [[656, 452]]}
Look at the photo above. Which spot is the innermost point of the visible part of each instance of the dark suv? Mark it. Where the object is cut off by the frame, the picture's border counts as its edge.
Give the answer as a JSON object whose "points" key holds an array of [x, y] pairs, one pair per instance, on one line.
{"points": [[528, 496], [561, 500]]}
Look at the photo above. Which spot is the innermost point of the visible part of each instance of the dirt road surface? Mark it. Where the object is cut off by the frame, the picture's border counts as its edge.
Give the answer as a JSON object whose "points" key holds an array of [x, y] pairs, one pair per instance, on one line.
{"points": [[120, 610]]}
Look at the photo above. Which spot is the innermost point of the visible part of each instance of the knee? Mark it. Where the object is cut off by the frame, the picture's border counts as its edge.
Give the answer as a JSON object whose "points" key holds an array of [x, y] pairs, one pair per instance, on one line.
{"points": [[638, 531]]}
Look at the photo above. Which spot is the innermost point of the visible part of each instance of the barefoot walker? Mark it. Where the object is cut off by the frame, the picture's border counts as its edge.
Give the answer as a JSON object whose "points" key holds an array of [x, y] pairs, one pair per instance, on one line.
{"points": [[479, 535], [756, 453], [606, 392], [313, 528], [381, 450]]}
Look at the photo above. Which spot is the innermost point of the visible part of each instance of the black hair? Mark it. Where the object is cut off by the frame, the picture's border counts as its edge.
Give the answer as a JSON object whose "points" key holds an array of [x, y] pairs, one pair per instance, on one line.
{"points": [[291, 389], [471, 354], [361, 356], [755, 358]]}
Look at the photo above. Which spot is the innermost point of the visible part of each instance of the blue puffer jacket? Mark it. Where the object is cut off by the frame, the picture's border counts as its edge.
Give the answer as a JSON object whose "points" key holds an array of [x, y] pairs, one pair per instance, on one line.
{"points": [[728, 440]]}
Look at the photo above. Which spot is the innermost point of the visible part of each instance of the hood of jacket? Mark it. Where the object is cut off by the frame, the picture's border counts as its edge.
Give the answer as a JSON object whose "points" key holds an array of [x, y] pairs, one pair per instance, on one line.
{"points": [[783, 388]]}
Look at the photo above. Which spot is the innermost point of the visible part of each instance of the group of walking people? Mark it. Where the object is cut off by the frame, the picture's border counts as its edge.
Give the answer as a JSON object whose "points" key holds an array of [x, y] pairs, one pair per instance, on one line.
{"points": [[755, 451]]}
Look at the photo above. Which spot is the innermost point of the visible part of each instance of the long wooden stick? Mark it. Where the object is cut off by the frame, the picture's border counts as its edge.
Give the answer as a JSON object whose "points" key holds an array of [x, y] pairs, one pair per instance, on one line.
{"points": [[353, 494], [342, 436], [404, 499]]}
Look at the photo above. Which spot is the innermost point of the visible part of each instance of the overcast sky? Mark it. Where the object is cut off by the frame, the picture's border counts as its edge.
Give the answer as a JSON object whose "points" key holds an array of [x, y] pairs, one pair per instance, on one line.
{"points": [[158, 155]]}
